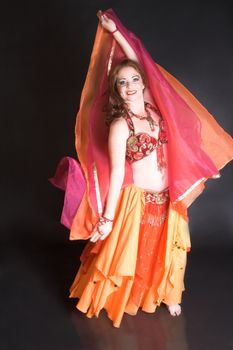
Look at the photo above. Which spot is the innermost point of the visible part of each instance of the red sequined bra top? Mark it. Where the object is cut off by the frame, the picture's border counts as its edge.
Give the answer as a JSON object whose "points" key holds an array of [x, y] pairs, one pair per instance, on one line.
{"points": [[142, 144]]}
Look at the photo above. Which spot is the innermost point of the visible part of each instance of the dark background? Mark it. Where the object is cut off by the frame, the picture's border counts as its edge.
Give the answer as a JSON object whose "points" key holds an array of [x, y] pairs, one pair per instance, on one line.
{"points": [[45, 52]]}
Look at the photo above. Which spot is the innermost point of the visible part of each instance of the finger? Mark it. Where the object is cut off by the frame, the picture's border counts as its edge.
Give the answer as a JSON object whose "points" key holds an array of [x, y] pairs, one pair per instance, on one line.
{"points": [[99, 14], [103, 236], [92, 239], [94, 233], [95, 237]]}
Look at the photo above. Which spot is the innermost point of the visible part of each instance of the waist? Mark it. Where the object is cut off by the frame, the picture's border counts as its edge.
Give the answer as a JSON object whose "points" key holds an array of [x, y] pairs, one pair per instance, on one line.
{"points": [[155, 196]]}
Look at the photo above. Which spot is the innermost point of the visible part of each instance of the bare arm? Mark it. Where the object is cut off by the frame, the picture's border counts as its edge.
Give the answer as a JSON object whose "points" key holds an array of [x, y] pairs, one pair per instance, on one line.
{"points": [[117, 147], [110, 25]]}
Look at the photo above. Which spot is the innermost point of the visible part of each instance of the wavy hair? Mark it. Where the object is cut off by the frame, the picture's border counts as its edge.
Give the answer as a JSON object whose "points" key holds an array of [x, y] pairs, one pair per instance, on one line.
{"points": [[116, 106]]}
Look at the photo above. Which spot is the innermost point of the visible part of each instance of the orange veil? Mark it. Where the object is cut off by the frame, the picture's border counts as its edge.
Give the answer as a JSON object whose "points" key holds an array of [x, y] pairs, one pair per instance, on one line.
{"points": [[197, 146]]}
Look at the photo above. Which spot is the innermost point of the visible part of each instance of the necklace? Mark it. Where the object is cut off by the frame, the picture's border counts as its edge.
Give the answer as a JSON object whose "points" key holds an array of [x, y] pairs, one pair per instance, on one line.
{"points": [[148, 117]]}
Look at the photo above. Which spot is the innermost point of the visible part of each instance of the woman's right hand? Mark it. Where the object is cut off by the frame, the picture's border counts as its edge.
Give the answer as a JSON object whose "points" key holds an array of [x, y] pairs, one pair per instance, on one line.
{"points": [[101, 231], [107, 23]]}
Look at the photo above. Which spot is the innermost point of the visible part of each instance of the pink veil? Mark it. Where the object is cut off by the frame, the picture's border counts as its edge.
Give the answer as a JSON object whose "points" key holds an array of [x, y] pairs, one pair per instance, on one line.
{"points": [[197, 146]]}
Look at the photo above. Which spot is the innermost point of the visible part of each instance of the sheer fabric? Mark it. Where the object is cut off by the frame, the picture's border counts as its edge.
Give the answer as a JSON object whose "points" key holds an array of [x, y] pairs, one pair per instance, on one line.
{"points": [[197, 146], [142, 262]]}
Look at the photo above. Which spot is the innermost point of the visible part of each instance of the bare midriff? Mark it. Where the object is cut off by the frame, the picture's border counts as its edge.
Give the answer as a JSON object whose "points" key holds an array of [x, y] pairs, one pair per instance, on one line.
{"points": [[146, 174]]}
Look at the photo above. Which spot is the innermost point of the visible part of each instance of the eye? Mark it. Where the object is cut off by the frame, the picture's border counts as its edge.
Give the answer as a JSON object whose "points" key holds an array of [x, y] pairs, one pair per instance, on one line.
{"points": [[121, 82], [136, 79]]}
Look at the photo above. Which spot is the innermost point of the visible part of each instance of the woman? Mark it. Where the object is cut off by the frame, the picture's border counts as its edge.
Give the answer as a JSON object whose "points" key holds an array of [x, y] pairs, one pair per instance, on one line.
{"points": [[134, 208]]}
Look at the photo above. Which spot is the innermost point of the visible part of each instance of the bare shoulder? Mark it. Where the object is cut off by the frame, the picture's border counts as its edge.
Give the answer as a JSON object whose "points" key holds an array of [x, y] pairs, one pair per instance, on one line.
{"points": [[119, 126]]}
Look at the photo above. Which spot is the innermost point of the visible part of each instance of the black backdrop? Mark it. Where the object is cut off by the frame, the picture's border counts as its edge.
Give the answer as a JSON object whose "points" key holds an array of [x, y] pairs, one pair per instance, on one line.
{"points": [[45, 51]]}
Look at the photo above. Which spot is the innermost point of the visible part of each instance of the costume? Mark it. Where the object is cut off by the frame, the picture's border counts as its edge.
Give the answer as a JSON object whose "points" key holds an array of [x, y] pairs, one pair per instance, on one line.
{"points": [[198, 147], [141, 144], [140, 264]]}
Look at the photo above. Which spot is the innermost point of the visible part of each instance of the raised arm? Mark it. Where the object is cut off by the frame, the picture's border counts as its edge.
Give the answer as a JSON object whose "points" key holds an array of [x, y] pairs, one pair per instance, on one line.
{"points": [[109, 25]]}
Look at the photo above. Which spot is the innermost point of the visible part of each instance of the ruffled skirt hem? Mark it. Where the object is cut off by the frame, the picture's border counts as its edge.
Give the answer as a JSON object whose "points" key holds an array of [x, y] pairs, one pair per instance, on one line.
{"points": [[108, 272]]}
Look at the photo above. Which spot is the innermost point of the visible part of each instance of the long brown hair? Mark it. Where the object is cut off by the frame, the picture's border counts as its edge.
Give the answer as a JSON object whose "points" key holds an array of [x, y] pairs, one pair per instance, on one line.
{"points": [[116, 107]]}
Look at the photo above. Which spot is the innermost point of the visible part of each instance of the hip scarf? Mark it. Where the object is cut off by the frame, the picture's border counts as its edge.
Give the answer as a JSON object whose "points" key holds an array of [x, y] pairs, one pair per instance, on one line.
{"points": [[149, 257]]}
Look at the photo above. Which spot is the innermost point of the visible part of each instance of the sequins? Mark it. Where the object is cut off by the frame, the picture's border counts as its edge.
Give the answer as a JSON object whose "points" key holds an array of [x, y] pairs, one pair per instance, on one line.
{"points": [[149, 265], [140, 145], [132, 143], [155, 221], [143, 144], [175, 245], [156, 197]]}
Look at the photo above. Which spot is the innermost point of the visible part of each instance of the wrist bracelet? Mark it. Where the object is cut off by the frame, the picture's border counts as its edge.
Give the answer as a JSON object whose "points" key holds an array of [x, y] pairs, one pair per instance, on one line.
{"points": [[116, 30], [104, 217], [104, 220]]}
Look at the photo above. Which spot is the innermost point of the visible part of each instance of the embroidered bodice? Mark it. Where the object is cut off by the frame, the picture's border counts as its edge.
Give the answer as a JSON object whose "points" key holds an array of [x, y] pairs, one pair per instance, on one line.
{"points": [[142, 144]]}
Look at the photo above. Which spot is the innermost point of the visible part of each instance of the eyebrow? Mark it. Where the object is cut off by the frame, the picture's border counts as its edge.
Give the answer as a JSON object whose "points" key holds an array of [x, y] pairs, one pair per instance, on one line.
{"points": [[133, 76]]}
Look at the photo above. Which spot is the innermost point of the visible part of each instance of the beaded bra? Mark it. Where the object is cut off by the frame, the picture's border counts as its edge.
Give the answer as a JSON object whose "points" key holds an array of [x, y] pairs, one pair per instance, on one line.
{"points": [[142, 144]]}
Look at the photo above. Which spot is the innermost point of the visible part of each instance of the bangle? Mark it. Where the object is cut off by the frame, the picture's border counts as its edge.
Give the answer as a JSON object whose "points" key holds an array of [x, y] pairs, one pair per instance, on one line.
{"points": [[116, 30], [104, 217], [104, 220]]}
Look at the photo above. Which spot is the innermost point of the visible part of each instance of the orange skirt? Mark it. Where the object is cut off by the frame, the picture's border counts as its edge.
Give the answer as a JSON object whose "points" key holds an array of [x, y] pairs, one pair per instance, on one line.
{"points": [[140, 264]]}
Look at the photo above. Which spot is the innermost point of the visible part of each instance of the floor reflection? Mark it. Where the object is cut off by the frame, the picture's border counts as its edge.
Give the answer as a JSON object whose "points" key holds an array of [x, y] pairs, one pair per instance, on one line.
{"points": [[143, 331]]}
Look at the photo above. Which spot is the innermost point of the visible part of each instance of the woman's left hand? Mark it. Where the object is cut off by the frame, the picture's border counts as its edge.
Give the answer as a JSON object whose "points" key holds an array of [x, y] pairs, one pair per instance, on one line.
{"points": [[101, 231], [106, 22]]}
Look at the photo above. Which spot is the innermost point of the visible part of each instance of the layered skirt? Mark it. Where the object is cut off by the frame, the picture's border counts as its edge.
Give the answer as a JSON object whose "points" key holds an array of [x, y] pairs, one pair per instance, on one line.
{"points": [[140, 264]]}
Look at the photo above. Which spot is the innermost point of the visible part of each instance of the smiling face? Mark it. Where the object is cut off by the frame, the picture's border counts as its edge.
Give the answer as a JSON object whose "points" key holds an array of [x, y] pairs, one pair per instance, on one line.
{"points": [[129, 83]]}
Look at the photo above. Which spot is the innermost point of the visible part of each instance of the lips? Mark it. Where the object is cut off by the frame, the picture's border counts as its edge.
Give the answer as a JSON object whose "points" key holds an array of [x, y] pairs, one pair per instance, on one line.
{"points": [[132, 92]]}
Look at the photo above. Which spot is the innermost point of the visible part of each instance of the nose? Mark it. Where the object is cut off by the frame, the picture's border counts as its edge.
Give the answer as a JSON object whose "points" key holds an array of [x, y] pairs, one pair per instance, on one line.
{"points": [[129, 83]]}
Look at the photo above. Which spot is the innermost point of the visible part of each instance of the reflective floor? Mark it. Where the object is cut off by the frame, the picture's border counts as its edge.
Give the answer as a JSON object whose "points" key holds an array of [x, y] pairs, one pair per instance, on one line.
{"points": [[36, 313], [45, 51]]}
